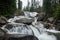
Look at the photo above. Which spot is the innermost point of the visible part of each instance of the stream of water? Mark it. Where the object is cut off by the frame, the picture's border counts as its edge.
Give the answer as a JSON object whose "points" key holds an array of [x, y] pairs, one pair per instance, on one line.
{"points": [[36, 29]]}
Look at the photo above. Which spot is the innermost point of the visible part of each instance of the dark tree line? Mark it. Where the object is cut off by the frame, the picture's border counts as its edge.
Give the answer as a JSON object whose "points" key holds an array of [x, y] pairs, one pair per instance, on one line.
{"points": [[19, 4], [52, 9], [7, 7], [33, 6]]}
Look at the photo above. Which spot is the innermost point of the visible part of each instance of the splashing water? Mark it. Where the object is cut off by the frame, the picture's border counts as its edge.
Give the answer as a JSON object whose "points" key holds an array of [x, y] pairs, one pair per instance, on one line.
{"points": [[30, 30], [12, 20], [21, 30], [30, 14], [36, 29], [18, 29], [42, 35]]}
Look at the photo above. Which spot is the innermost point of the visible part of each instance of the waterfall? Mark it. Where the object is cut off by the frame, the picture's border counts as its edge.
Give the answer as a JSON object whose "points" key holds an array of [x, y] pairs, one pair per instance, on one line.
{"points": [[37, 29], [35, 19], [36, 32], [41, 34], [30, 14], [26, 14], [18, 29], [30, 30]]}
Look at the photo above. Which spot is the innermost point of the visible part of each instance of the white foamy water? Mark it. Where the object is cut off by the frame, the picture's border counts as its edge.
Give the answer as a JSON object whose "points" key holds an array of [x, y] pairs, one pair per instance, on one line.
{"points": [[45, 36], [36, 29], [30, 14], [17, 18], [42, 34], [52, 31], [21, 30], [18, 29]]}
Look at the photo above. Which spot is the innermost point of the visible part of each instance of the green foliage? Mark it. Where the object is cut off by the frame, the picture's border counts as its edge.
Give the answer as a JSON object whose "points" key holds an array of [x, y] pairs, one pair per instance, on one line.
{"points": [[7, 7], [47, 7], [51, 8], [57, 11]]}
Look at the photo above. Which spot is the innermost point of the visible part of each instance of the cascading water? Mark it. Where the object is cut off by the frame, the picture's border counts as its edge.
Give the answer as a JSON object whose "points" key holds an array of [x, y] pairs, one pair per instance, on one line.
{"points": [[30, 14], [42, 36], [21, 30], [18, 29], [40, 31], [37, 29]]}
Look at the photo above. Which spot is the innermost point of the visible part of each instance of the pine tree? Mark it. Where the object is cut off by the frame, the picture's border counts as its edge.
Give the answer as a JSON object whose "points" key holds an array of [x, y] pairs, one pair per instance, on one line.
{"points": [[19, 4], [7, 7]]}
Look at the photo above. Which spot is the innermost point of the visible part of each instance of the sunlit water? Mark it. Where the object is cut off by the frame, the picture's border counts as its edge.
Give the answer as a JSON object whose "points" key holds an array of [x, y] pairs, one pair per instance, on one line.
{"points": [[37, 29]]}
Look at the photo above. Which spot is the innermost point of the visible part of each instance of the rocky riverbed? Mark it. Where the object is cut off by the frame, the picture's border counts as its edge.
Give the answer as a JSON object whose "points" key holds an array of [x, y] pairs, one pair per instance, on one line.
{"points": [[27, 28]]}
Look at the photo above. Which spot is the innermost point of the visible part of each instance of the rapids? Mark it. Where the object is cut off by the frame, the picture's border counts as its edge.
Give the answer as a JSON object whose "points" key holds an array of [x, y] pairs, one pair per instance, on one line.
{"points": [[37, 29]]}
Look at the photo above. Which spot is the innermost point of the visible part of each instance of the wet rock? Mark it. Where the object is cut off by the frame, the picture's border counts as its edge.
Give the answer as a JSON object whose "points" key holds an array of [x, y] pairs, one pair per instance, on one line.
{"points": [[40, 16], [49, 25], [25, 21], [3, 20], [57, 35], [8, 26], [58, 25], [46, 25], [51, 19], [2, 34], [26, 37]]}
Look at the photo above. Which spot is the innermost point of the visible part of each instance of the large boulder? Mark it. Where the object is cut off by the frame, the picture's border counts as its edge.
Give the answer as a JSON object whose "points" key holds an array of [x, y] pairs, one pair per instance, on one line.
{"points": [[57, 35], [2, 34], [21, 37], [50, 19], [3, 20], [25, 21], [49, 25], [40, 16], [58, 25]]}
